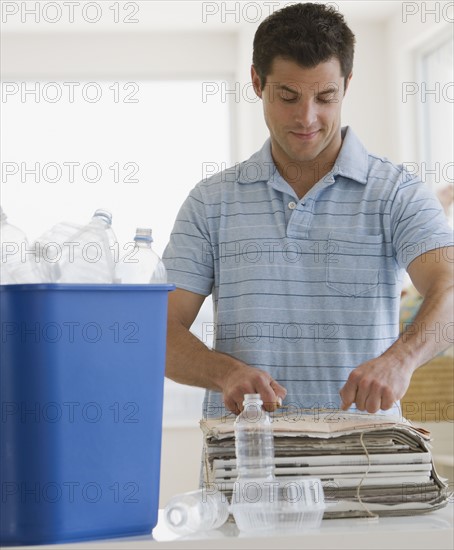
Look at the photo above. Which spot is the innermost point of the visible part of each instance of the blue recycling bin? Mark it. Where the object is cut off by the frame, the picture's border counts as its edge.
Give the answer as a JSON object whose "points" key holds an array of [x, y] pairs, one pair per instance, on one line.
{"points": [[81, 384]]}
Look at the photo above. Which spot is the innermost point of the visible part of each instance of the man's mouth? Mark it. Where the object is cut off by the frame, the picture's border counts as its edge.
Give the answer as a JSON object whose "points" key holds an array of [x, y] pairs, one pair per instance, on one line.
{"points": [[304, 136]]}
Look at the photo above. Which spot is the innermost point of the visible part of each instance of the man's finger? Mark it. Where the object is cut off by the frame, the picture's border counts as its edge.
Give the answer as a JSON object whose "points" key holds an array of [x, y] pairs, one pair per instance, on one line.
{"points": [[267, 394], [232, 406], [279, 390], [347, 394], [372, 404], [360, 399], [345, 406]]}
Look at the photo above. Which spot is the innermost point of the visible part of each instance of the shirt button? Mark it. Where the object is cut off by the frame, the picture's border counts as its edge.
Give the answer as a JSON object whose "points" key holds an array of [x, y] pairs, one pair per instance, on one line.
{"points": [[292, 205]]}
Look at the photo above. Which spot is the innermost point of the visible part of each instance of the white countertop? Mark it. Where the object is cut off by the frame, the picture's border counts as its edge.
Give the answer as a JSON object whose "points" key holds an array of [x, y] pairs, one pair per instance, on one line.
{"points": [[434, 530]]}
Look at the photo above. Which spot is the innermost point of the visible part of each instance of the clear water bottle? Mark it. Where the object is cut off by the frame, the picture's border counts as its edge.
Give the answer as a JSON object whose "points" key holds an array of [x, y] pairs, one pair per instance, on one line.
{"points": [[254, 442], [50, 247], [196, 511], [87, 257], [18, 262], [141, 265]]}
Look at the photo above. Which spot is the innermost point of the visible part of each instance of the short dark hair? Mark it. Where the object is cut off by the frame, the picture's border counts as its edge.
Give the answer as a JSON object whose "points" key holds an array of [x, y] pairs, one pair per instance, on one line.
{"points": [[308, 34]]}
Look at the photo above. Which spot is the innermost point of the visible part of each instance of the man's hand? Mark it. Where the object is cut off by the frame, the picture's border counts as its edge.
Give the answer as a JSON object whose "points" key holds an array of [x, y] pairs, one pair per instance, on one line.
{"points": [[376, 384], [190, 362], [245, 379]]}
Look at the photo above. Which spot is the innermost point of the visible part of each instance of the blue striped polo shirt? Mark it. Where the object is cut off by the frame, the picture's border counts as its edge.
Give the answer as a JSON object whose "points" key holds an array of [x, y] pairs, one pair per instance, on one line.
{"points": [[305, 289]]}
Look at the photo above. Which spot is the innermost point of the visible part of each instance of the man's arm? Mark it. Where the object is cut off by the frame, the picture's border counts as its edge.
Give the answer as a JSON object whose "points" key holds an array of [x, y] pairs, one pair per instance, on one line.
{"points": [[378, 383], [190, 362]]}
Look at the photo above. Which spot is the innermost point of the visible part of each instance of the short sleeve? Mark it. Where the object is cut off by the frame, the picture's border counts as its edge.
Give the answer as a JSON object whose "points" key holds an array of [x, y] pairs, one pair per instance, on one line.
{"points": [[188, 257], [417, 220]]}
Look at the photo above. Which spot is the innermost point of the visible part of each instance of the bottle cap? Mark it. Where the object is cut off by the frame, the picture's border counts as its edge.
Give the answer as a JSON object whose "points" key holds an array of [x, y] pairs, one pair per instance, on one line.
{"points": [[251, 398], [176, 516], [143, 234], [104, 214]]}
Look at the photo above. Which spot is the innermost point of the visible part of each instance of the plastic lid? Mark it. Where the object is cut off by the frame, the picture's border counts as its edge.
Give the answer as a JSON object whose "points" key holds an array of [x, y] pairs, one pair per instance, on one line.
{"points": [[252, 398], [177, 516], [104, 214], [143, 234]]}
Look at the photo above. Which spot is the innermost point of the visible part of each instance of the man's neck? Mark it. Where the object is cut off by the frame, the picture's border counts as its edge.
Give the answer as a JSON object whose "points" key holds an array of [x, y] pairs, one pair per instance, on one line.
{"points": [[302, 176]]}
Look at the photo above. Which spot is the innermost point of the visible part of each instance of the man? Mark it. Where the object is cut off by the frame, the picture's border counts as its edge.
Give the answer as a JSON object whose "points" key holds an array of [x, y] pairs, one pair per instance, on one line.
{"points": [[304, 247]]}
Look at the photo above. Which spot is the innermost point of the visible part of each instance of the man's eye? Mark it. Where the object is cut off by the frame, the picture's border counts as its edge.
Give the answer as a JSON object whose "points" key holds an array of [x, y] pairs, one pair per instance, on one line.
{"points": [[327, 99], [289, 99]]}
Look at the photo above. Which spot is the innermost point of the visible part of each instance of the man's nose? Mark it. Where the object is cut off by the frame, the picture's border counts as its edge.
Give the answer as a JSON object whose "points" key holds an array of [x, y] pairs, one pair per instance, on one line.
{"points": [[306, 113]]}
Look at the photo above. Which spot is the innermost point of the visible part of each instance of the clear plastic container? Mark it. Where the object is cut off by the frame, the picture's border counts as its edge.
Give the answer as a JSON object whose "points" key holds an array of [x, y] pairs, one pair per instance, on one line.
{"points": [[254, 441], [50, 246], [18, 262], [141, 265], [290, 505], [89, 259], [196, 511]]}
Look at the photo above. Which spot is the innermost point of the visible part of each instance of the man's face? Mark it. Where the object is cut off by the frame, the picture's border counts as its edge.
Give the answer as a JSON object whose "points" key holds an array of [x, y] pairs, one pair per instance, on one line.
{"points": [[302, 109]]}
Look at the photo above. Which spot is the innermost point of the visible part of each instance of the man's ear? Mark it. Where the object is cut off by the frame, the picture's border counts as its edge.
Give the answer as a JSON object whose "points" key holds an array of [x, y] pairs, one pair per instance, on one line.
{"points": [[256, 82], [347, 82]]}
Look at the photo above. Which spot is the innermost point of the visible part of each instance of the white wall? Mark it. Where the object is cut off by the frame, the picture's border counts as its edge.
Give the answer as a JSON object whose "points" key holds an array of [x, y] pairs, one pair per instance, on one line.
{"points": [[109, 55]]}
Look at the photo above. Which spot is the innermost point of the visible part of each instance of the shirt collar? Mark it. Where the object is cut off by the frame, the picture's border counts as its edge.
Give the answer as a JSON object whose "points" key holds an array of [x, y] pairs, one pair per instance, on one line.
{"points": [[352, 161], [259, 167]]}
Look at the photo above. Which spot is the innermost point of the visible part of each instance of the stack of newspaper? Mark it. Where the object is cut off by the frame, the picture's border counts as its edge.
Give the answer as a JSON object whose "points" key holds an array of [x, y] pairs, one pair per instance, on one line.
{"points": [[369, 464]]}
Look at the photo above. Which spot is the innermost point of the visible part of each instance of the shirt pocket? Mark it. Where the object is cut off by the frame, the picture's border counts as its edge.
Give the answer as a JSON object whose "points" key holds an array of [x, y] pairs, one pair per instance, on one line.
{"points": [[353, 262]]}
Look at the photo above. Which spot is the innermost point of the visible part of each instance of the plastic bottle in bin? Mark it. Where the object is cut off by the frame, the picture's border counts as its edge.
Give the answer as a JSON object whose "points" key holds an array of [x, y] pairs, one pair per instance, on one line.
{"points": [[18, 263], [88, 257], [50, 246], [141, 265], [254, 442]]}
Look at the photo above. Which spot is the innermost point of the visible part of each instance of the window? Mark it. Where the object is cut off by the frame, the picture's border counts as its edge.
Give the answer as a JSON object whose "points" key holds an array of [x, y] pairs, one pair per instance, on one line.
{"points": [[437, 114], [138, 159]]}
